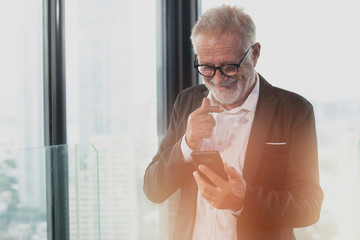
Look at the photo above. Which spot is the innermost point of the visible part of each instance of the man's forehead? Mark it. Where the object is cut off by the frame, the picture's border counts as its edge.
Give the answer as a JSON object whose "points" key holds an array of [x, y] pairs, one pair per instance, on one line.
{"points": [[209, 40], [210, 44]]}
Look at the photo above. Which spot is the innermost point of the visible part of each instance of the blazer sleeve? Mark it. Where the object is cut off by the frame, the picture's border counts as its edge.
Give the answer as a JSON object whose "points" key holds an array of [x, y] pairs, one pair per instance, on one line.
{"points": [[295, 200], [168, 171]]}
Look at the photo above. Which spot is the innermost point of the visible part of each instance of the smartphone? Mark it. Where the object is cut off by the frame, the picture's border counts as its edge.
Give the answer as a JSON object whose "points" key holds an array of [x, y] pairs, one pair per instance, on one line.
{"points": [[212, 160]]}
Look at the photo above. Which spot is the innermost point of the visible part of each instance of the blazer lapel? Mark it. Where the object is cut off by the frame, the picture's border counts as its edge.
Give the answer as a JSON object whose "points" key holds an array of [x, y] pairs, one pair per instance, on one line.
{"points": [[260, 130]]}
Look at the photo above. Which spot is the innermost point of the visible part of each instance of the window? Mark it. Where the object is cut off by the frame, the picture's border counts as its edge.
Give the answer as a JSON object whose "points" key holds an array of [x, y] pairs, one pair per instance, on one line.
{"points": [[311, 47], [21, 100], [21, 120], [111, 103]]}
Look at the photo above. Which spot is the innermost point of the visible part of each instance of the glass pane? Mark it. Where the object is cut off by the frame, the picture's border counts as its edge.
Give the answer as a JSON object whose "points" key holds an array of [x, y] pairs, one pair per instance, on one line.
{"points": [[111, 87], [23, 213], [84, 205], [22, 194], [21, 98]]}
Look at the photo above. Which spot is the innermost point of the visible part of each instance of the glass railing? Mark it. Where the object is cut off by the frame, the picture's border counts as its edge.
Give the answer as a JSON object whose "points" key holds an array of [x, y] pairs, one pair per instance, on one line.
{"points": [[33, 179], [38, 185]]}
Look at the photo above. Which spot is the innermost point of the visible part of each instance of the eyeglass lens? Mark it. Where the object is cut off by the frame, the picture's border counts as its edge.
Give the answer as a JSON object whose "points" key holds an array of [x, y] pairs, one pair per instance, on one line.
{"points": [[227, 70]]}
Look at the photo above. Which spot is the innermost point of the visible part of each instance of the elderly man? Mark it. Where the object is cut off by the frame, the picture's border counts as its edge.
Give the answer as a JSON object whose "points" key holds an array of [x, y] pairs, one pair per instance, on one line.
{"points": [[265, 135]]}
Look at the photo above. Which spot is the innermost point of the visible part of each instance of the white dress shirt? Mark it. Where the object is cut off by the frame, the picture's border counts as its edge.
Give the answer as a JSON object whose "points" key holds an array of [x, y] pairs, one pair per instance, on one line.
{"points": [[230, 138]]}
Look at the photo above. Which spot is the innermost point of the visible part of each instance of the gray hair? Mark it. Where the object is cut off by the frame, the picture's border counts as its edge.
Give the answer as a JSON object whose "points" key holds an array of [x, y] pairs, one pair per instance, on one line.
{"points": [[226, 19]]}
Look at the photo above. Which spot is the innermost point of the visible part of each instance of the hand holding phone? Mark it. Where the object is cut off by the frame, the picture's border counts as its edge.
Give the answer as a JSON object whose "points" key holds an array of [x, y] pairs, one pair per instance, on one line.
{"points": [[212, 160]]}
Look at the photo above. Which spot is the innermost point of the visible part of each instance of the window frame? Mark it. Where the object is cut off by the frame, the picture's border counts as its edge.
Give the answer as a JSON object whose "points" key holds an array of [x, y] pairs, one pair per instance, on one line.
{"points": [[57, 192]]}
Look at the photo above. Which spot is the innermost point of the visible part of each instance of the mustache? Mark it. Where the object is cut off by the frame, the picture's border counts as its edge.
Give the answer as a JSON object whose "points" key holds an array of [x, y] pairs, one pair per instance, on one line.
{"points": [[224, 83]]}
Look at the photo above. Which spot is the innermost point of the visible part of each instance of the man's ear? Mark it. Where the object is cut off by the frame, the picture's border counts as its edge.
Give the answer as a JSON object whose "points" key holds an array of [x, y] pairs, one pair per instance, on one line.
{"points": [[255, 53]]}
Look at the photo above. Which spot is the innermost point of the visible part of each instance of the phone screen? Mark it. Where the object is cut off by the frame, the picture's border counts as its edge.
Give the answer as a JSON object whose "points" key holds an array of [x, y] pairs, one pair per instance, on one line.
{"points": [[212, 160]]}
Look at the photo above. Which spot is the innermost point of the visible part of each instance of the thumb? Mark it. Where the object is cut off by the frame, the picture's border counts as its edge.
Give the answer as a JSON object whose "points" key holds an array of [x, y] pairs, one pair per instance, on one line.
{"points": [[231, 172], [205, 102]]}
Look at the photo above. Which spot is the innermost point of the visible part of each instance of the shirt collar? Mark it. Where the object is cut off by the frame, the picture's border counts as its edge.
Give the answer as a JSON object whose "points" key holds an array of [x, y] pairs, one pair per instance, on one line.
{"points": [[250, 103]]}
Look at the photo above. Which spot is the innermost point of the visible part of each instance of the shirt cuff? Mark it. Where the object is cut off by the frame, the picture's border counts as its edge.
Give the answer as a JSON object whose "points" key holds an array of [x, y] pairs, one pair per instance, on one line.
{"points": [[186, 150]]}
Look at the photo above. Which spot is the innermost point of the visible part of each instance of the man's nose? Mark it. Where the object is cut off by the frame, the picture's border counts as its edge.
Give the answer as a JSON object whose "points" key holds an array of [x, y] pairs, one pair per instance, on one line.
{"points": [[218, 77]]}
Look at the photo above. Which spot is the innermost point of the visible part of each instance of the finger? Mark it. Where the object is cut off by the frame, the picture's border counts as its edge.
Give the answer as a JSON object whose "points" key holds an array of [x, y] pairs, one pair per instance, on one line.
{"points": [[206, 189], [207, 108], [210, 109], [200, 126], [231, 172], [207, 133], [201, 119], [207, 126], [217, 180], [237, 181], [200, 133], [205, 102]]}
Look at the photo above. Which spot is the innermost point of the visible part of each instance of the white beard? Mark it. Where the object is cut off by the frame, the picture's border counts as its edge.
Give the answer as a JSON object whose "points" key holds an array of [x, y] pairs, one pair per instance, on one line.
{"points": [[229, 96]]}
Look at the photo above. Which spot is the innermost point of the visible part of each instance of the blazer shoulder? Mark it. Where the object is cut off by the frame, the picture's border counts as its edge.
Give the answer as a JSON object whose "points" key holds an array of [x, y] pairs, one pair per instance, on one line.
{"points": [[191, 96], [200, 90], [291, 97], [188, 100], [287, 103]]}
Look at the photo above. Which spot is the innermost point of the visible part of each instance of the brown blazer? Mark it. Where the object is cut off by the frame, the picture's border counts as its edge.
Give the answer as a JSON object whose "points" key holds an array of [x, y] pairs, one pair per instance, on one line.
{"points": [[283, 188]]}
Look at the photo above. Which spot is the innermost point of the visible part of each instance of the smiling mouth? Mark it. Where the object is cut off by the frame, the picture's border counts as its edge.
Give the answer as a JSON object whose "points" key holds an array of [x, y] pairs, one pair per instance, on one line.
{"points": [[225, 85]]}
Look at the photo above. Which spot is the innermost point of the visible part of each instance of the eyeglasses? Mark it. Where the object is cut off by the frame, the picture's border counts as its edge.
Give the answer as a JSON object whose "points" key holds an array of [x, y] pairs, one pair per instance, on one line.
{"points": [[229, 70]]}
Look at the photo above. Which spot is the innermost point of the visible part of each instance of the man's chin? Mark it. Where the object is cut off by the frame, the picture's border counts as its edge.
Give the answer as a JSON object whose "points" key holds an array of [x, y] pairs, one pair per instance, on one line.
{"points": [[224, 96], [229, 99]]}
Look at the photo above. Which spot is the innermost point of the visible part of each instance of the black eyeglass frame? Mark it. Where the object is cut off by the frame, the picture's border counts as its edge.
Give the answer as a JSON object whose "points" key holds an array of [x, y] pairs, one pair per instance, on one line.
{"points": [[221, 66]]}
